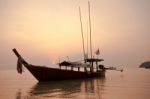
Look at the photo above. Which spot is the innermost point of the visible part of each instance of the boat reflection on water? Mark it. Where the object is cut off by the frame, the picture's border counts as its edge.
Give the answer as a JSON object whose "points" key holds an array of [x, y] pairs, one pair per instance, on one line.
{"points": [[78, 88]]}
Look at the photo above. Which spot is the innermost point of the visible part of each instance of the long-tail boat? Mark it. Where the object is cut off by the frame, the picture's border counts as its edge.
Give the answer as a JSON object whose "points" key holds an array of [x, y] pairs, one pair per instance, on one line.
{"points": [[91, 66], [43, 73]]}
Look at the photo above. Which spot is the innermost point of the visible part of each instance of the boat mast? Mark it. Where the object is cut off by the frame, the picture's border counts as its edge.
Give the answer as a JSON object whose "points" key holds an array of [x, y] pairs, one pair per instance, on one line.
{"points": [[82, 33], [87, 42], [90, 29]]}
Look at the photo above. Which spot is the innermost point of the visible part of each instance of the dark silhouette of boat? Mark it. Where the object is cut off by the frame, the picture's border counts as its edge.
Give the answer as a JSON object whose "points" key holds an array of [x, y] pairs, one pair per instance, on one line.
{"points": [[91, 65], [43, 73]]}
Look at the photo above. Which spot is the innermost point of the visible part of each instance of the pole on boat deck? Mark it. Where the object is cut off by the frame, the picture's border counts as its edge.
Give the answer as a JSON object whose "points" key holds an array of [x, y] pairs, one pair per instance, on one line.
{"points": [[85, 69], [90, 29], [72, 68], [82, 33], [78, 68], [96, 66], [82, 38]]}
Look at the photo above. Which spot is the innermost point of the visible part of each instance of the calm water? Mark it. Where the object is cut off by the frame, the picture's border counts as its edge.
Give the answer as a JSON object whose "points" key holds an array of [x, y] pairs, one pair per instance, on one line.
{"points": [[130, 84]]}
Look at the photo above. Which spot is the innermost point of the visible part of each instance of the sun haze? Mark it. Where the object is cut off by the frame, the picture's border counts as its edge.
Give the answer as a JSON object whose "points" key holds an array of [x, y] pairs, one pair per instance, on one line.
{"points": [[48, 30]]}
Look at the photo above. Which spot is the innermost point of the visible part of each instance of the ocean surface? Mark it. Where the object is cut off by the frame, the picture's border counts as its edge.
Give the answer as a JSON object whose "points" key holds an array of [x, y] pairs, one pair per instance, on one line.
{"points": [[130, 84]]}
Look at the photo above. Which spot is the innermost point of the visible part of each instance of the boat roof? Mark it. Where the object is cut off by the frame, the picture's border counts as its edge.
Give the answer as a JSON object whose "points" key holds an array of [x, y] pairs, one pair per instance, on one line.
{"points": [[74, 64], [93, 60]]}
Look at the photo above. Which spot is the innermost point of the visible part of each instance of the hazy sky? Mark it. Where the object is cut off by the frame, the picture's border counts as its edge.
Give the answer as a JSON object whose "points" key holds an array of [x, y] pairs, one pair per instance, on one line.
{"points": [[45, 31]]}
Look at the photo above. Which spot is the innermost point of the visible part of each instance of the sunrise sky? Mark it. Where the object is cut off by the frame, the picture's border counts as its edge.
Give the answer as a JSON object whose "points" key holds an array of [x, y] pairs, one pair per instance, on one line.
{"points": [[44, 31]]}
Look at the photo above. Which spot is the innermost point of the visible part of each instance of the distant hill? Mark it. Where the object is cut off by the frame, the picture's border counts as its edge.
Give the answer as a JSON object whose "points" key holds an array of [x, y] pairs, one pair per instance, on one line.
{"points": [[145, 65]]}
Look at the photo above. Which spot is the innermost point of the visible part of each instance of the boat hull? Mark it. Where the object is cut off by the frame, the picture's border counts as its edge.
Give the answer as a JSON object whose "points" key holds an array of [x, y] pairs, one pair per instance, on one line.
{"points": [[42, 73]]}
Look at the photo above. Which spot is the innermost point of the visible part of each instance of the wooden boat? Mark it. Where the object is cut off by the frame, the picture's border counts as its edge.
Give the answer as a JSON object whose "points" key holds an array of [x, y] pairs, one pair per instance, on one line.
{"points": [[91, 66], [42, 73]]}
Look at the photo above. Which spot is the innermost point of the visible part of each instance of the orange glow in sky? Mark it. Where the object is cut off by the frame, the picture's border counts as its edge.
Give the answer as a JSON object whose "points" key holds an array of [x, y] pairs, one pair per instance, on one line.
{"points": [[51, 29]]}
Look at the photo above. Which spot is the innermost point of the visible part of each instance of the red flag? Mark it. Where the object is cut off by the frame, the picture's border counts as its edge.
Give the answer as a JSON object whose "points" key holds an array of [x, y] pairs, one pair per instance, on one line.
{"points": [[97, 52]]}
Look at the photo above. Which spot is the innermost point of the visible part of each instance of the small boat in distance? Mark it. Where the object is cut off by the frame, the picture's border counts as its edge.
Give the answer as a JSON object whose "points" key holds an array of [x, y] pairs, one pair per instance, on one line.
{"points": [[90, 67]]}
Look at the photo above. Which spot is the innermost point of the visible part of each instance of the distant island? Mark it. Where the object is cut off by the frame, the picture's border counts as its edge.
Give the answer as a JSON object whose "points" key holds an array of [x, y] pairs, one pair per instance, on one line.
{"points": [[145, 65]]}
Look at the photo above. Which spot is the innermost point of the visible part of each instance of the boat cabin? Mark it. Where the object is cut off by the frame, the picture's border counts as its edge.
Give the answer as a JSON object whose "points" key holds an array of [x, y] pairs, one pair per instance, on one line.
{"points": [[90, 63]]}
